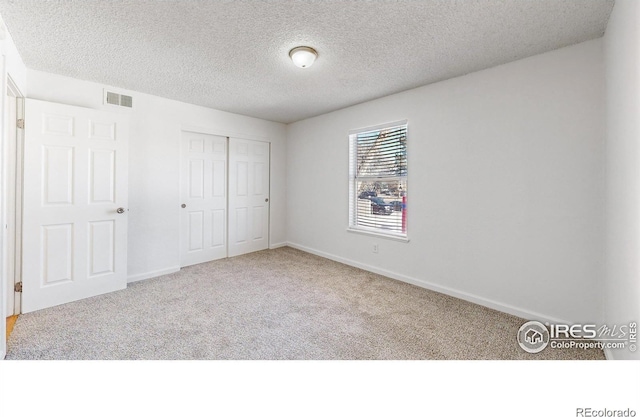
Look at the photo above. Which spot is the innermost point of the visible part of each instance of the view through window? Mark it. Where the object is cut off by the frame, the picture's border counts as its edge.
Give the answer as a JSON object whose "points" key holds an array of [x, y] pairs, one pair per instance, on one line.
{"points": [[378, 180]]}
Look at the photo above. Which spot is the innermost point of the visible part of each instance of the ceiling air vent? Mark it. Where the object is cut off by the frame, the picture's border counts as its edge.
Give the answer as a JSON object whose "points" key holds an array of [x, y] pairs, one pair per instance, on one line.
{"points": [[117, 99]]}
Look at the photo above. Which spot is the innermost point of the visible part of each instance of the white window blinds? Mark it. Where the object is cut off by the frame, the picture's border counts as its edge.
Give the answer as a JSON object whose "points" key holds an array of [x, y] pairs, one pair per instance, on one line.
{"points": [[378, 179]]}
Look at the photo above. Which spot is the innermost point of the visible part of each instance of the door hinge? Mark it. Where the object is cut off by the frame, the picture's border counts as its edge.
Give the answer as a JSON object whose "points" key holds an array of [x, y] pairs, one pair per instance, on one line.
{"points": [[20, 124], [18, 287]]}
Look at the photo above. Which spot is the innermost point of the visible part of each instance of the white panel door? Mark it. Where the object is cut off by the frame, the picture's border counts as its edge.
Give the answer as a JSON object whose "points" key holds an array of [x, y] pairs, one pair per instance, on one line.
{"points": [[203, 228], [248, 196], [75, 204]]}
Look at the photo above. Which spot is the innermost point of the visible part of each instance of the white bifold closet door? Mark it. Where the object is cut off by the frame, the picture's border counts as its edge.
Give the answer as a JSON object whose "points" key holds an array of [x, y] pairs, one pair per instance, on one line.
{"points": [[204, 198], [248, 196], [74, 233]]}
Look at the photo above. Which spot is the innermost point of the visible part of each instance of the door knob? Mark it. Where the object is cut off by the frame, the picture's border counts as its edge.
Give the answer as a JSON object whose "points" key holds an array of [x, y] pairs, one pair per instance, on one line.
{"points": [[120, 210], [183, 205]]}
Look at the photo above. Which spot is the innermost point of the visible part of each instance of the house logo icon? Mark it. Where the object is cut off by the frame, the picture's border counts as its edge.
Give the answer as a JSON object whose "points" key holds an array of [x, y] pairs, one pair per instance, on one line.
{"points": [[533, 337]]}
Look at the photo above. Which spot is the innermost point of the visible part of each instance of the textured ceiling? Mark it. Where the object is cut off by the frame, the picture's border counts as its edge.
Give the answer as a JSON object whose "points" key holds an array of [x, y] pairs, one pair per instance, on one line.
{"points": [[233, 55]]}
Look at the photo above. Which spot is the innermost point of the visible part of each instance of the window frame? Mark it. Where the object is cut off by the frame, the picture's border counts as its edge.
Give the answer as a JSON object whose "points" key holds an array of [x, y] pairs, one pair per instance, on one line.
{"points": [[354, 178]]}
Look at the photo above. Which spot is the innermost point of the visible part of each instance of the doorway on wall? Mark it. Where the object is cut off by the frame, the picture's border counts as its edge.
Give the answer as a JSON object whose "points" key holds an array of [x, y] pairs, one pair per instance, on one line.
{"points": [[224, 197], [13, 191]]}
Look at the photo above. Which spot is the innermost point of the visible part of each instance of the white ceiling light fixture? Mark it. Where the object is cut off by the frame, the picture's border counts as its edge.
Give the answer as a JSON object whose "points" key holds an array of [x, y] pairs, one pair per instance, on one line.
{"points": [[303, 56]]}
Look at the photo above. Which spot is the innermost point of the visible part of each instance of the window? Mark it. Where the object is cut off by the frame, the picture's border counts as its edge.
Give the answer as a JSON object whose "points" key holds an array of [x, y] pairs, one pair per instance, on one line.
{"points": [[378, 180]]}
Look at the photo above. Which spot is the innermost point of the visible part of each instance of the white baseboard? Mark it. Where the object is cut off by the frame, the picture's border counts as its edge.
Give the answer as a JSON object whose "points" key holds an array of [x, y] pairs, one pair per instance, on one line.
{"points": [[495, 305], [152, 274], [277, 245]]}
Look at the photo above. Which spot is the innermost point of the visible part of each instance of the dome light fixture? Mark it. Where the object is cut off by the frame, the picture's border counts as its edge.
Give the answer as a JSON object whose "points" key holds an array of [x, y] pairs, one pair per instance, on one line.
{"points": [[303, 56]]}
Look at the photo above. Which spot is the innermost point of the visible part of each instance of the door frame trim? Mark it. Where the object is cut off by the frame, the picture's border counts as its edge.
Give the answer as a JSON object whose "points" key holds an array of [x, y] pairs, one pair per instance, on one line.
{"points": [[11, 216], [8, 87], [219, 132], [14, 91]]}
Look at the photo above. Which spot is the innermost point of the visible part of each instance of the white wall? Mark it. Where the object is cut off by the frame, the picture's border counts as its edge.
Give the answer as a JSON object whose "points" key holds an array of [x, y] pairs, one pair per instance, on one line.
{"points": [[506, 190], [10, 65], [154, 177], [622, 61], [14, 65]]}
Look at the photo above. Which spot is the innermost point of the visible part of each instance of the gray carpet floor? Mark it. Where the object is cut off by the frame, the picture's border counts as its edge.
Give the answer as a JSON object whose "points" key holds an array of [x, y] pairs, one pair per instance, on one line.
{"points": [[274, 304]]}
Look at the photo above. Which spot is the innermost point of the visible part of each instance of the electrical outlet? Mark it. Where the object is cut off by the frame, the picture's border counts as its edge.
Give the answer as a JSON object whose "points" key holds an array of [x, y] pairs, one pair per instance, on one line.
{"points": [[375, 248]]}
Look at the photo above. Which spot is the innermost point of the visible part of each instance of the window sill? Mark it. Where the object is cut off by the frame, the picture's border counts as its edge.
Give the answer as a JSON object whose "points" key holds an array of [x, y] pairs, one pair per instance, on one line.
{"points": [[403, 239]]}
